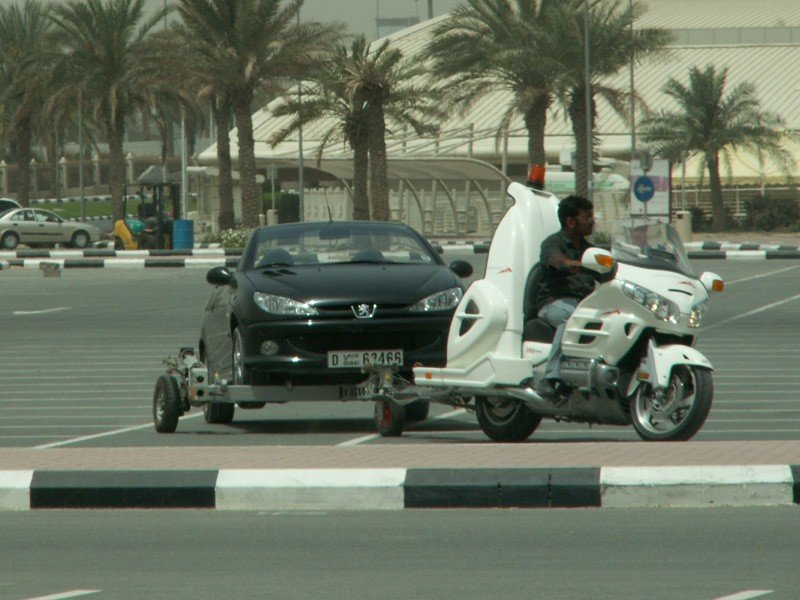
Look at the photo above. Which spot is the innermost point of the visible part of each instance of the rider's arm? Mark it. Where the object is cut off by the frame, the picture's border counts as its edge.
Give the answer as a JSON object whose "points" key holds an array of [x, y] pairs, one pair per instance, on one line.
{"points": [[552, 256], [560, 261]]}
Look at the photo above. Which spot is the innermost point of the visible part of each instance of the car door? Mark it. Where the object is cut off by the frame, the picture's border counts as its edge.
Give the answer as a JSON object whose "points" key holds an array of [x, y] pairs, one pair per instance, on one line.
{"points": [[24, 224], [49, 227]]}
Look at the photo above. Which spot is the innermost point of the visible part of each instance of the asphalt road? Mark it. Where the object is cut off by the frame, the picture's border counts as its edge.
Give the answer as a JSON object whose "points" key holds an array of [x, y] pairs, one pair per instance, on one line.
{"points": [[568, 554], [80, 355]]}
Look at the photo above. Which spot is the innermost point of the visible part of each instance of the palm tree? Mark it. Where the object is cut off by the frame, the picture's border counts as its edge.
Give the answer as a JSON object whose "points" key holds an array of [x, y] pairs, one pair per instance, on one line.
{"points": [[102, 45], [24, 36], [490, 45], [392, 89], [252, 44], [612, 46], [714, 122], [326, 96], [361, 89]]}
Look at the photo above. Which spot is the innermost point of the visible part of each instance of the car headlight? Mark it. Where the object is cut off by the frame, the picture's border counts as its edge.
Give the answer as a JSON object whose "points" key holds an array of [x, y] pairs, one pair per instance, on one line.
{"points": [[698, 311], [439, 301], [663, 308], [278, 305]]}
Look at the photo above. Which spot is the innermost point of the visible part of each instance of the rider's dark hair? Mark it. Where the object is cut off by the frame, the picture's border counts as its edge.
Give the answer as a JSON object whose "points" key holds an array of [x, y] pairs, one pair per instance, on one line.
{"points": [[570, 207]]}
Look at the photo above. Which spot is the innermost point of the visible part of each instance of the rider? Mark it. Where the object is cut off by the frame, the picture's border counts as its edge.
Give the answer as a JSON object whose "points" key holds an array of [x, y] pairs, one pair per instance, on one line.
{"points": [[564, 282]]}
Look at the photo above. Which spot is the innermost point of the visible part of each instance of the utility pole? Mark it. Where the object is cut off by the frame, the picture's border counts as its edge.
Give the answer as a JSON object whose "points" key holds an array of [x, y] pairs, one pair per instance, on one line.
{"points": [[588, 84], [301, 183], [430, 9]]}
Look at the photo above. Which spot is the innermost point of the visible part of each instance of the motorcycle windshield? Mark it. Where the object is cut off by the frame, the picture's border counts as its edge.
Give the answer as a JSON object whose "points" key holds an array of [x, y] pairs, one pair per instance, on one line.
{"points": [[650, 244]]}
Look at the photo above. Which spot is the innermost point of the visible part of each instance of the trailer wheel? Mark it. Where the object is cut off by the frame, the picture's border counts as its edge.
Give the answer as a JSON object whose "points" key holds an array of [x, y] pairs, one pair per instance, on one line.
{"points": [[166, 404], [390, 418]]}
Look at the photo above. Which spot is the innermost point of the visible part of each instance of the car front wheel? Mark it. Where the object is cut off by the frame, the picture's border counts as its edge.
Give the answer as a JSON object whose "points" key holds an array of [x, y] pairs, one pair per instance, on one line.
{"points": [[80, 239], [241, 376], [216, 412]]}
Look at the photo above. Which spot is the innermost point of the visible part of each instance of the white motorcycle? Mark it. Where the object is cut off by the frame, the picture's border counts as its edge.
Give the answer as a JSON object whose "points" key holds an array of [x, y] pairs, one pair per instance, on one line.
{"points": [[629, 356]]}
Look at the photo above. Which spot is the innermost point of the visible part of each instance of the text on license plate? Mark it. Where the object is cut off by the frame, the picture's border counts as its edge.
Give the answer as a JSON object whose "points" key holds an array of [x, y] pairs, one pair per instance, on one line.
{"points": [[348, 359]]}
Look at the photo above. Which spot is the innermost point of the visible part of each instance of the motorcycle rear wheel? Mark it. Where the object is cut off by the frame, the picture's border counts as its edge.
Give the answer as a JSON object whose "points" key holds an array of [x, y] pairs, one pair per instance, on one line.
{"points": [[505, 420], [683, 410]]}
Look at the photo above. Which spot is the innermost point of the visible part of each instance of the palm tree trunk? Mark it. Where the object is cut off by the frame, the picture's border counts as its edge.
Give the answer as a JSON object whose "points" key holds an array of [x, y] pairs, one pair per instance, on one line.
{"points": [[535, 122], [360, 145], [116, 164], [222, 120], [719, 219], [251, 195], [577, 115], [24, 134], [378, 169]]}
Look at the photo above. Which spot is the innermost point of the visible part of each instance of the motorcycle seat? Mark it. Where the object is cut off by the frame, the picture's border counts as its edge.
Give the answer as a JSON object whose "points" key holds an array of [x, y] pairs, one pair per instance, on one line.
{"points": [[534, 330]]}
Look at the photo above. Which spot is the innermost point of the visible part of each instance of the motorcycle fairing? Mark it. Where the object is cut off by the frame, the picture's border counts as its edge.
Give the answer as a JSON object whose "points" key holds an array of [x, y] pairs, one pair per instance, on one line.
{"points": [[656, 368]]}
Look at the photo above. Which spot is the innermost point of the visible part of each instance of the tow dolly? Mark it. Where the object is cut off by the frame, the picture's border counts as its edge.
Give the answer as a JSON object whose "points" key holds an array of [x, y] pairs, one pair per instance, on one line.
{"points": [[186, 383]]}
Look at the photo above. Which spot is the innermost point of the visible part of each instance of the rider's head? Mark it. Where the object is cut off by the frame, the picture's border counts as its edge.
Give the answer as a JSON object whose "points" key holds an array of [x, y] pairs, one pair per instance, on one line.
{"points": [[576, 215]]}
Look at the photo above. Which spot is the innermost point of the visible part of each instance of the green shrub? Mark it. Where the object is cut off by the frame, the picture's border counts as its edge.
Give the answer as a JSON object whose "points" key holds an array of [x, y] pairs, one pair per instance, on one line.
{"points": [[229, 238], [768, 214]]}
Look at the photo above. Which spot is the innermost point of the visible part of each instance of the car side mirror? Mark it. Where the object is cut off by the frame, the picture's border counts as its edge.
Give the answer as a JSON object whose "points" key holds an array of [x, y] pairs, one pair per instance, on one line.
{"points": [[712, 281], [598, 260], [461, 268], [220, 276]]}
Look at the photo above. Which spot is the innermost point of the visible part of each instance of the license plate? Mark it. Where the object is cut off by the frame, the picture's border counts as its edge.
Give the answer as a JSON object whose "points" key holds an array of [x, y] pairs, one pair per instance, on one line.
{"points": [[350, 359]]}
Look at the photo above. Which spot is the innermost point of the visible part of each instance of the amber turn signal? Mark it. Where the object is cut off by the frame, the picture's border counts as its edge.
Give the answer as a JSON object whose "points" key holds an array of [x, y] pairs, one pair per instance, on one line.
{"points": [[604, 260]]}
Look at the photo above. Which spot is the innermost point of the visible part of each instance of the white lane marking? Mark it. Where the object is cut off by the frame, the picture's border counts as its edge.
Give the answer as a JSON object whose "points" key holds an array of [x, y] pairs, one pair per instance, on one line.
{"points": [[745, 595], [104, 434], [41, 312], [70, 594], [752, 312], [374, 436], [735, 281]]}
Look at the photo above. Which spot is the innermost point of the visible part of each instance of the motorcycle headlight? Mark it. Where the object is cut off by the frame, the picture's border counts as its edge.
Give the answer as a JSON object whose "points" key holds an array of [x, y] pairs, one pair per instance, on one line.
{"points": [[698, 311], [278, 305], [439, 301], [663, 308]]}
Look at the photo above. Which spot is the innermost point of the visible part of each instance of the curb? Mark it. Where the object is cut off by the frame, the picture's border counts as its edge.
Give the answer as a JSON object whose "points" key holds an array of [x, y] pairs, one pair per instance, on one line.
{"points": [[120, 263], [399, 488]]}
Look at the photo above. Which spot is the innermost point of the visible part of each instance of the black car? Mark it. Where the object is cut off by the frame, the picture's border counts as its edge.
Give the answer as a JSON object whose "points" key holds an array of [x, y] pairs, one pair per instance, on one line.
{"points": [[310, 303]]}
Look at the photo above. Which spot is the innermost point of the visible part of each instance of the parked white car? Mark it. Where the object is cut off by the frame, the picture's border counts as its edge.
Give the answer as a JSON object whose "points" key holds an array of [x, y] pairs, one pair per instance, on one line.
{"points": [[35, 227]]}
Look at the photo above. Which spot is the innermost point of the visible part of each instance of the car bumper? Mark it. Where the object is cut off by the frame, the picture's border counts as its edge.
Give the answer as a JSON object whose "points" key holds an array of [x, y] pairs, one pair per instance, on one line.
{"points": [[302, 356]]}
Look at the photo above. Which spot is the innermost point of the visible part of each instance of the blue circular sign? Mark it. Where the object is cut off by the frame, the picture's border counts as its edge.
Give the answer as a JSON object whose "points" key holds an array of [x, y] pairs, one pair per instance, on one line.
{"points": [[644, 188]]}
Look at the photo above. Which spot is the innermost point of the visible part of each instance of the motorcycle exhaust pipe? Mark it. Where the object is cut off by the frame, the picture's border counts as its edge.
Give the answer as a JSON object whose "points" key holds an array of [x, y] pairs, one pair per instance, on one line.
{"points": [[526, 395]]}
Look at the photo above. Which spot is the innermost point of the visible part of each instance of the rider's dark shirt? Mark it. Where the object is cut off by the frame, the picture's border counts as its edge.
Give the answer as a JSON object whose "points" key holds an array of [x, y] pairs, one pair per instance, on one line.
{"points": [[561, 282]]}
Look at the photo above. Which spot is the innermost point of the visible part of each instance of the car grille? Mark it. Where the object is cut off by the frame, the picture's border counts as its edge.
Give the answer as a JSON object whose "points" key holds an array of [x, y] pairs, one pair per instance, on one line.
{"points": [[320, 343]]}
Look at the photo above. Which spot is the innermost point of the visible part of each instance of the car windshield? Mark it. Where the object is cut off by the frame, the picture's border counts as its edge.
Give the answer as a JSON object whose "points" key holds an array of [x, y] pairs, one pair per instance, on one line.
{"points": [[336, 243], [650, 244]]}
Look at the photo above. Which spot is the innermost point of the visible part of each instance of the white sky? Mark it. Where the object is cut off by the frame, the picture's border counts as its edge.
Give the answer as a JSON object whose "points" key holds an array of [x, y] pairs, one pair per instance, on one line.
{"points": [[360, 15]]}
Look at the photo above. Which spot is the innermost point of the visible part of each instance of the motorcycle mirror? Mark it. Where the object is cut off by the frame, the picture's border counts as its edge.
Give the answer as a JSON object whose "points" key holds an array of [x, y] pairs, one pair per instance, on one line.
{"points": [[597, 259], [712, 282]]}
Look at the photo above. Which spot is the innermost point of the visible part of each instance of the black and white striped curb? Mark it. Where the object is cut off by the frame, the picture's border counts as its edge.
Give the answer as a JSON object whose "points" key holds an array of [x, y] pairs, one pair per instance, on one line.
{"points": [[109, 253], [119, 263], [741, 251], [399, 488]]}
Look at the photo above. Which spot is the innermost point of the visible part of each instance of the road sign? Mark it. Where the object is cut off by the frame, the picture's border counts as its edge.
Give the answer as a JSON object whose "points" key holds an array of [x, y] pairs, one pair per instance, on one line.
{"points": [[644, 188]]}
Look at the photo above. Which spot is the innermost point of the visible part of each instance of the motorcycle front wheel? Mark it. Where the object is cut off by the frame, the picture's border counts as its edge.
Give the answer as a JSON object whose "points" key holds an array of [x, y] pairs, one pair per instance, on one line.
{"points": [[505, 419], [682, 410]]}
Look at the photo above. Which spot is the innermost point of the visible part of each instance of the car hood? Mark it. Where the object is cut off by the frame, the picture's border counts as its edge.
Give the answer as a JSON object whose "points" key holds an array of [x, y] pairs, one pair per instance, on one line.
{"points": [[345, 283]]}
